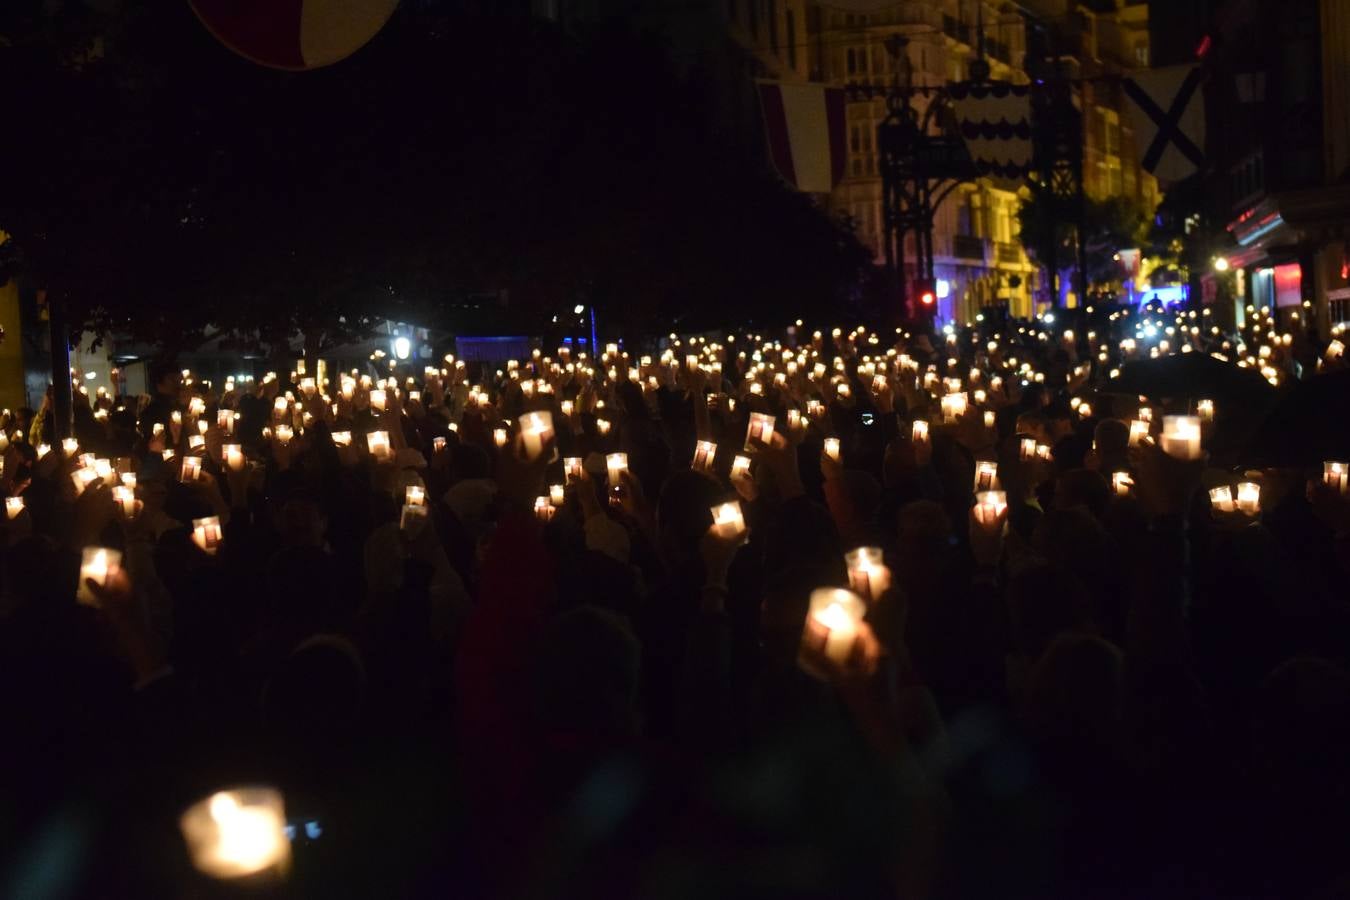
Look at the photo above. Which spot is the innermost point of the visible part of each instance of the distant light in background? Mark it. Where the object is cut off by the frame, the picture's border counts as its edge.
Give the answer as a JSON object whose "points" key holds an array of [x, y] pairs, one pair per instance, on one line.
{"points": [[1221, 264], [402, 347]]}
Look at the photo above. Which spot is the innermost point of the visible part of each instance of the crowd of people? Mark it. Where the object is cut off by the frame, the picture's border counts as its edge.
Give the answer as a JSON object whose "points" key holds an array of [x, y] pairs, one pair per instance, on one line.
{"points": [[579, 627]]}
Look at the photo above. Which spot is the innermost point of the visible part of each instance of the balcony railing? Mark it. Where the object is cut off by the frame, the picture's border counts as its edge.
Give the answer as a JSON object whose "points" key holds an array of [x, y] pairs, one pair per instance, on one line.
{"points": [[965, 246]]}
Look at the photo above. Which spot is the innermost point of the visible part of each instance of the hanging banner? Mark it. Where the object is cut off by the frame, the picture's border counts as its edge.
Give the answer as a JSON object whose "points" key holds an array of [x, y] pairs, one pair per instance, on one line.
{"points": [[805, 127], [995, 120], [1167, 109]]}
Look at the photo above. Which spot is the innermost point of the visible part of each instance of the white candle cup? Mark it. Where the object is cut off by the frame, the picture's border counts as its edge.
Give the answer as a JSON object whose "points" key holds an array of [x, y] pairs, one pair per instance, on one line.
{"points": [[740, 467], [233, 455], [1334, 474], [831, 448], [97, 564], [1221, 498], [238, 834], [536, 429], [207, 534], [1205, 410], [279, 407], [1044, 453], [378, 444], [573, 469], [615, 465], [794, 420], [1249, 498], [13, 506], [1181, 437], [103, 468], [379, 399], [868, 574], [1146, 414], [42, 450], [125, 498], [953, 406], [838, 612], [415, 495], [728, 520], [602, 426], [990, 420], [1138, 431], [500, 436], [438, 445], [760, 429], [70, 447], [989, 505], [196, 442], [918, 431], [342, 438], [544, 509], [190, 470], [878, 384], [843, 390], [412, 519], [986, 475], [1121, 482], [557, 494], [1335, 350], [284, 434], [128, 480], [705, 452], [815, 409]]}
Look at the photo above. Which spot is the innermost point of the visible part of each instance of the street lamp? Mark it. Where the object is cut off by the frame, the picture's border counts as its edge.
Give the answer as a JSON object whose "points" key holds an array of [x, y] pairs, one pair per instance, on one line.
{"points": [[1221, 264]]}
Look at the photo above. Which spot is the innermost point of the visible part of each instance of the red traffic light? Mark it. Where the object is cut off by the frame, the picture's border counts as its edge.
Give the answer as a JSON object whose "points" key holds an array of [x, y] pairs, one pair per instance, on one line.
{"points": [[927, 298], [926, 291]]}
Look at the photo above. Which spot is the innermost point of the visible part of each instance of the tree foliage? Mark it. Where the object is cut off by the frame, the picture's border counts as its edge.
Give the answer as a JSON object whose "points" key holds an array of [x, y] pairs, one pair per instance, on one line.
{"points": [[1049, 230], [164, 187]]}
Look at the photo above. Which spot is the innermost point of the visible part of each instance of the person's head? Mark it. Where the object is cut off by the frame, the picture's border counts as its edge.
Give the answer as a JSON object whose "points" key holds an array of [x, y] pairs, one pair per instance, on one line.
{"points": [[1112, 438], [1076, 692], [586, 675], [684, 512], [166, 378]]}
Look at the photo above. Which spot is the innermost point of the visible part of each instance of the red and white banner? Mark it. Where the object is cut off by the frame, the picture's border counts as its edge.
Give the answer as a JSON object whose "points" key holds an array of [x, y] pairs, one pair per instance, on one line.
{"points": [[807, 135], [294, 34]]}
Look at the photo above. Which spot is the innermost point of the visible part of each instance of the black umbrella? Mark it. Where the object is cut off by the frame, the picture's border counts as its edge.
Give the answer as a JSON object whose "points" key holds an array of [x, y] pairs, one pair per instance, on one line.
{"points": [[1310, 424], [1193, 376]]}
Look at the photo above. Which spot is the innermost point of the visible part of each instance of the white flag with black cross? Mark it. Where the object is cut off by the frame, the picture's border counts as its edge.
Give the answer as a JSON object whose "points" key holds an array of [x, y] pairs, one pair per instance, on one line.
{"points": [[1167, 109]]}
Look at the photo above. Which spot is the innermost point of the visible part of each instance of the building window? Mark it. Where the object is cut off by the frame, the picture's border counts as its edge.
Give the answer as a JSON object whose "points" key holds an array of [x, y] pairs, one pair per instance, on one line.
{"points": [[1141, 53], [792, 38]]}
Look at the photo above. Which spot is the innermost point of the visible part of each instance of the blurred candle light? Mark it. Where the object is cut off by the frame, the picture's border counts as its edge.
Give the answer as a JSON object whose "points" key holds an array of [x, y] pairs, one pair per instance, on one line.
{"points": [[1221, 498], [573, 468], [1334, 474], [989, 505], [536, 429], [953, 406], [740, 467], [990, 420], [544, 509], [602, 427], [125, 498], [500, 437], [70, 447], [1138, 431], [191, 469], [728, 521], [557, 494], [1181, 437], [342, 438], [1249, 497], [207, 534], [238, 833], [831, 448], [1205, 410], [13, 506], [97, 564], [838, 611], [704, 454], [868, 575], [378, 444], [379, 399], [1121, 482], [986, 475], [759, 430], [415, 495], [918, 431], [615, 465]]}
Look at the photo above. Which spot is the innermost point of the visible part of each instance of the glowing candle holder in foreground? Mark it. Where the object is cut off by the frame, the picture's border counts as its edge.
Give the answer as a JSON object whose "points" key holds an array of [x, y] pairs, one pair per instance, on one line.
{"points": [[415, 495], [831, 448], [838, 612], [953, 406], [986, 475], [557, 494], [1249, 498], [234, 456], [615, 465], [728, 521], [1221, 498], [1205, 410], [1334, 474], [573, 469], [536, 429], [1138, 431], [97, 564], [238, 833], [1121, 482], [760, 430], [13, 507], [868, 574], [378, 444], [1026, 449], [1181, 437], [191, 469], [989, 505], [740, 467], [207, 534], [918, 432], [704, 454]]}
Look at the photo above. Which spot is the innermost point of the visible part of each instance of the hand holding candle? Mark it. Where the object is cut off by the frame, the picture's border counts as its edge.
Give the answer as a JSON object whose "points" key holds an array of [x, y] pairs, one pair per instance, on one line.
{"points": [[1181, 437], [868, 575], [238, 833], [99, 565]]}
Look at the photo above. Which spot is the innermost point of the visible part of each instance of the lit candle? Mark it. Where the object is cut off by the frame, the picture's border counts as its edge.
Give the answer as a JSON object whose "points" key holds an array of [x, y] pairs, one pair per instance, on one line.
{"points": [[760, 430], [125, 498], [1205, 410], [499, 437], [815, 409], [1181, 436], [1221, 498], [837, 611], [869, 577], [740, 467], [1146, 414], [953, 406], [279, 407], [602, 426], [284, 434], [794, 420], [1043, 452], [438, 444], [918, 432], [1334, 474], [342, 438], [238, 833], [70, 447], [13, 506], [129, 480], [1121, 482], [573, 469], [378, 444], [191, 469], [557, 494], [411, 519], [234, 457], [728, 520], [544, 509], [989, 418], [989, 505], [207, 535], [196, 442], [103, 468], [96, 565], [415, 495], [986, 475], [1249, 497], [1138, 431], [43, 450], [378, 399], [831, 449], [536, 428], [704, 454], [1335, 349], [878, 384], [616, 464]]}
